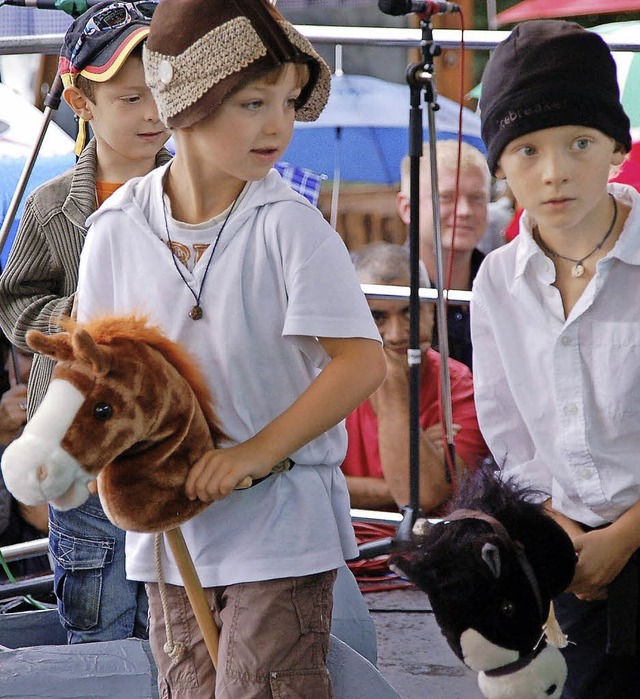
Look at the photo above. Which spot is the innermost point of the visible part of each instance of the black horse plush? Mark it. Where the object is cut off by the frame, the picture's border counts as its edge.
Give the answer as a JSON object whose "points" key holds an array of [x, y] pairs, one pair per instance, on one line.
{"points": [[491, 569]]}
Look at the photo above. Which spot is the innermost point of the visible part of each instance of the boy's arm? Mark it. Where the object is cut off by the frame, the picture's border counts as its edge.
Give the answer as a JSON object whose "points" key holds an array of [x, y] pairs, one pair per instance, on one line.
{"points": [[370, 493], [391, 405], [356, 368], [30, 284], [602, 553]]}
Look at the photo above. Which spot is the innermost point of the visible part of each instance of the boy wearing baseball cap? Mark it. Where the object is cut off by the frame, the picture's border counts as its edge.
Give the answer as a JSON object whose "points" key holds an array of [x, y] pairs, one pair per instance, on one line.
{"points": [[250, 277], [101, 67], [555, 330]]}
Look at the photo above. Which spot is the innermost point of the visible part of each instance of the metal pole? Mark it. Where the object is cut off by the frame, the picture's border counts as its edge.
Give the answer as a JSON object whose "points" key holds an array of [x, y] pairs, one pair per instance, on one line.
{"points": [[491, 14], [474, 39]]}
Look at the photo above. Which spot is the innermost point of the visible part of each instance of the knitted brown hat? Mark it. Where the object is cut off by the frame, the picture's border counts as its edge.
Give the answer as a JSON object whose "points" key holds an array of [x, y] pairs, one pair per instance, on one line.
{"points": [[549, 73], [199, 51]]}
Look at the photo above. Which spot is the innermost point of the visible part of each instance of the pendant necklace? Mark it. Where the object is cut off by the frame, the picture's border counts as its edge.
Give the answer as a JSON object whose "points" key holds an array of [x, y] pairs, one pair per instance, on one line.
{"points": [[578, 268], [196, 311]]}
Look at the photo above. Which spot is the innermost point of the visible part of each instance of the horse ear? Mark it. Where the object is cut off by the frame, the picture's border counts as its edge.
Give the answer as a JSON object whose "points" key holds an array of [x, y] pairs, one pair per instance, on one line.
{"points": [[87, 350], [57, 346], [491, 556]]}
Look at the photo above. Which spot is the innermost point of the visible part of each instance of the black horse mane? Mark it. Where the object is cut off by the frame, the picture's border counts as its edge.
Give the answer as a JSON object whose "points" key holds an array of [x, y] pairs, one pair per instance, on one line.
{"points": [[445, 560], [504, 498]]}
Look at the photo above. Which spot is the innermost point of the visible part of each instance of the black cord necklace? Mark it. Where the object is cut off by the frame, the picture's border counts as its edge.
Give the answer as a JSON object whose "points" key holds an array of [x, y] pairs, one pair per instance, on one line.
{"points": [[196, 312], [578, 268]]}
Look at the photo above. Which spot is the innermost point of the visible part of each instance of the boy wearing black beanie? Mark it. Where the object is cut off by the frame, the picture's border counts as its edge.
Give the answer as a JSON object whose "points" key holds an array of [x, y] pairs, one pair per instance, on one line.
{"points": [[555, 330]]}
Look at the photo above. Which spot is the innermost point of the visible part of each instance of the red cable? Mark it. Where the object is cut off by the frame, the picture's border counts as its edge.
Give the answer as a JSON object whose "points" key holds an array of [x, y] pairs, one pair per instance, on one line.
{"points": [[374, 574]]}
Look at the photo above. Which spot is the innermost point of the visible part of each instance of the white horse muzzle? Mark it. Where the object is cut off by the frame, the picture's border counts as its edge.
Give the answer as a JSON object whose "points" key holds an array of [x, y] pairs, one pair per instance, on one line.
{"points": [[35, 467]]}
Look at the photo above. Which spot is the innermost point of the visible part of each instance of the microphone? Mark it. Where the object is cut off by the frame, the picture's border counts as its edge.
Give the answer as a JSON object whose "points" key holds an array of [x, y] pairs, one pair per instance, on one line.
{"points": [[421, 7]]}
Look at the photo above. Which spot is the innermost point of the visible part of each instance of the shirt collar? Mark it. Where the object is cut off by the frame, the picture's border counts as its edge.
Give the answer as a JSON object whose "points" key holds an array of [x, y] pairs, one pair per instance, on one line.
{"points": [[626, 248], [528, 249]]}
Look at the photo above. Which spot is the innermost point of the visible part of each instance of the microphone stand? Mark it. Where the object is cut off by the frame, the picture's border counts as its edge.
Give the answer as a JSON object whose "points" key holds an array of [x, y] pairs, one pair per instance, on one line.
{"points": [[420, 78], [51, 102]]}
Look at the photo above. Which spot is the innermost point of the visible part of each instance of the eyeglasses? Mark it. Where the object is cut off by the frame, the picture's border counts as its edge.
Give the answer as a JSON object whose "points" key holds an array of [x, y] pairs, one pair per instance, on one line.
{"points": [[115, 16]]}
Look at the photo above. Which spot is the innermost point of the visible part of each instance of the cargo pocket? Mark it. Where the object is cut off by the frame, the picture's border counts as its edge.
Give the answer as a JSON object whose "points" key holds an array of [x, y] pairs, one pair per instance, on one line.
{"points": [[78, 575], [301, 685], [312, 598]]}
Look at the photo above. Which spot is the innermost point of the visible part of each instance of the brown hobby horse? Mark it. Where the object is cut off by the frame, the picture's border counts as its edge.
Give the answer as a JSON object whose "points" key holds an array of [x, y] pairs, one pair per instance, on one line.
{"points": [[130, 408]]}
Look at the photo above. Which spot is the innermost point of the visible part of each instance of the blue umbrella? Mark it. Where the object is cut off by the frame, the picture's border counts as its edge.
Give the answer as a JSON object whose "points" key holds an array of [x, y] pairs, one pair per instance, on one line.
{"points": [[363, 133], [20, 123]]}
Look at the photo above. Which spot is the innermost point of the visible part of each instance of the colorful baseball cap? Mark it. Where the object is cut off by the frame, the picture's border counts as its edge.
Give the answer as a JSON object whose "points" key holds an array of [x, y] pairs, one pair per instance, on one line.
{"points": [[99, 41]]}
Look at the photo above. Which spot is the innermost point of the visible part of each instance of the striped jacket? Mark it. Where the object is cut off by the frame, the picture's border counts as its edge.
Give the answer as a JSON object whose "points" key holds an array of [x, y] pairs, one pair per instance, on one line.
{"points": [[39, 282]]}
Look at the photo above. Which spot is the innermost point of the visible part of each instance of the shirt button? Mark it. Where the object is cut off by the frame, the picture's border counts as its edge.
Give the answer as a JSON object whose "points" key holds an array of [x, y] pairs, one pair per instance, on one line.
{"points": [[571, 409], [587, 473], [565, 340]]}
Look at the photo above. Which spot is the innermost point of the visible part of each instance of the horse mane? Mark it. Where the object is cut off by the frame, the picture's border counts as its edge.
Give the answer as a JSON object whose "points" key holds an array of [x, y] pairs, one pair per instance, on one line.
{"points": [[433, 565], [108, 330], [504, 498]]}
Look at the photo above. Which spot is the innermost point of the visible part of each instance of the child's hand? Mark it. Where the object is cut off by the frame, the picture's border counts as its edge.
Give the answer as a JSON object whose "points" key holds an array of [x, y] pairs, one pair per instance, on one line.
{"points": [[601, 556], [13, 412], [218, 472], [436, 434]]}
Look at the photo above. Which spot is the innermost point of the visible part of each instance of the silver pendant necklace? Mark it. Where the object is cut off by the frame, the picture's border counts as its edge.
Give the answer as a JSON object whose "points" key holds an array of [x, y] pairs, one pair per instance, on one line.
{"points": [[196, 311], [578, 267]]}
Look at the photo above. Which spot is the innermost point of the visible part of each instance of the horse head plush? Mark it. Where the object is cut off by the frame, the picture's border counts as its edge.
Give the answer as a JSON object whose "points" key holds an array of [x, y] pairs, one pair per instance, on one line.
{"points": [[125, 406], [491, 569]]}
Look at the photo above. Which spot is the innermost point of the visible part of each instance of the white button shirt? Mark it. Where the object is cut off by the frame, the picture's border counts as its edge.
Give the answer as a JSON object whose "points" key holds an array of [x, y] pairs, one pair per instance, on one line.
{"points": [[558, 399]]}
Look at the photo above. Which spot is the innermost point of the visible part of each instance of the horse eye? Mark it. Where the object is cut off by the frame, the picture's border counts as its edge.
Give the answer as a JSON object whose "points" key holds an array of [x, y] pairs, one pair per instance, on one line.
{"points": [[102, 411], [507, 608]]}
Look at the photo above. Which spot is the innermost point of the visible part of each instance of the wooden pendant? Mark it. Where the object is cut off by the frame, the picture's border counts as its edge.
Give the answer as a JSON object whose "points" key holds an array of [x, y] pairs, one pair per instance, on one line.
{"points": [[196, 312], [577, 270]]}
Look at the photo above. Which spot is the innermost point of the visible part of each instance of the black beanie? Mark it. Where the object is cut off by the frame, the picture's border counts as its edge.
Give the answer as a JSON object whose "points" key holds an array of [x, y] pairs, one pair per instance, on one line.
{"points": [[549, 73]]}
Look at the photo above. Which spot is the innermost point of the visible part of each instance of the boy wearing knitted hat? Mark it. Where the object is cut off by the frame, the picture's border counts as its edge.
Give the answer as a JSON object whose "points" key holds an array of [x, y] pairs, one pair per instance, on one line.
{"points": [[555, 330], [248, 275], [101, 67]]}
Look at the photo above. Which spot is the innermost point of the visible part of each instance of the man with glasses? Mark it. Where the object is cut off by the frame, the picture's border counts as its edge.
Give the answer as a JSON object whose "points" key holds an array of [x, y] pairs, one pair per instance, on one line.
{"points": [[470, 225]]}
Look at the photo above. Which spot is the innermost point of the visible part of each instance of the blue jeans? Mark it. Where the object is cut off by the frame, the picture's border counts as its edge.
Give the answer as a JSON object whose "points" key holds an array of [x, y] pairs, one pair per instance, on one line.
{"points": [[95, 600]]}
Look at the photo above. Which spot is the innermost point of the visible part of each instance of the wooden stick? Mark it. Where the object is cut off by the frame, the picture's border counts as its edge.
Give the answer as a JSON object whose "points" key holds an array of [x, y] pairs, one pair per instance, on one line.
{"points": [[195, 592]]}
